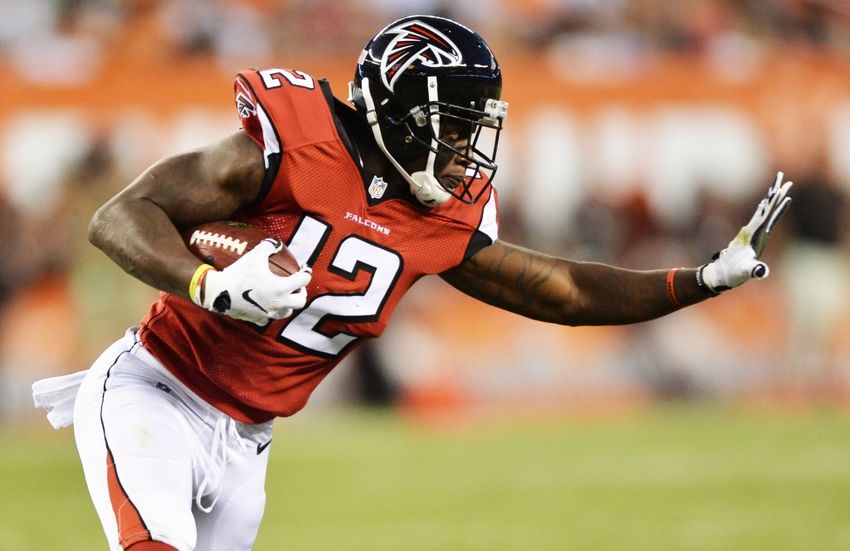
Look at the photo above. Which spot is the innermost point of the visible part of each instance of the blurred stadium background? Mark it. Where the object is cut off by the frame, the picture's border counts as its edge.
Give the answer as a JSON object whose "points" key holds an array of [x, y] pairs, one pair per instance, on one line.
{"points": [[641, 133]]}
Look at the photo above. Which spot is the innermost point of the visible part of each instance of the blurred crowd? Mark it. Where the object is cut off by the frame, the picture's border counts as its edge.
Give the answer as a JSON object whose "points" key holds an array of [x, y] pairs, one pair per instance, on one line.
{"points": [[62, 42], [56, 40]]}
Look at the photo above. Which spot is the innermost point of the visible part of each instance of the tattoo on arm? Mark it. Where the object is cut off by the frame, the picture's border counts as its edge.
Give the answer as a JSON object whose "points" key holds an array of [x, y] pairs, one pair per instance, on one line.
{"points": [[515, 279], [567, 292]]}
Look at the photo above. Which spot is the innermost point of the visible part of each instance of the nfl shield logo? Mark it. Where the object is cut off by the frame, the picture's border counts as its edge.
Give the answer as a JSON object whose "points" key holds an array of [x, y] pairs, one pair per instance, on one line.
{"points": [[377, 187]]}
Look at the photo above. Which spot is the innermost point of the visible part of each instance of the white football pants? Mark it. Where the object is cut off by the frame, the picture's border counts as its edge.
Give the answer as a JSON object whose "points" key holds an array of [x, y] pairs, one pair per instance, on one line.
{"points": [[160, 463]]}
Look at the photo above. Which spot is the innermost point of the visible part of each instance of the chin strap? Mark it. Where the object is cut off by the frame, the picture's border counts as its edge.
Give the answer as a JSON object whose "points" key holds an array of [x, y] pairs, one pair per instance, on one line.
{"points": [[423, 184], [427, 189]]}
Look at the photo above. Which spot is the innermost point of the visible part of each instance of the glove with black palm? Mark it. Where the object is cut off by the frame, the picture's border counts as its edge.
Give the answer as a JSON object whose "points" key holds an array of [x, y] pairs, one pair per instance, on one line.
{"points": [[739, 261]]}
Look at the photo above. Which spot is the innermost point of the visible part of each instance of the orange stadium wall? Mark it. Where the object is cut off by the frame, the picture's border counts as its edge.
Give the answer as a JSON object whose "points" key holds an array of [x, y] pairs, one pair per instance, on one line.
{"points": [[667, 129], [669, 126]]}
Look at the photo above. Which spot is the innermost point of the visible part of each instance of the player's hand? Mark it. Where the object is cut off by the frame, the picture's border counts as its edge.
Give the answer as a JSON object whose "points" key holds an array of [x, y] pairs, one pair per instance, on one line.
{"points": [[739, 261], [248, 290]]}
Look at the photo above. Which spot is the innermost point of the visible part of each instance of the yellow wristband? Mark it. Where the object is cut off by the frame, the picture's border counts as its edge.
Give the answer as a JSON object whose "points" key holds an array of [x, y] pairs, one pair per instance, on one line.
{"points": [[194, 287]]}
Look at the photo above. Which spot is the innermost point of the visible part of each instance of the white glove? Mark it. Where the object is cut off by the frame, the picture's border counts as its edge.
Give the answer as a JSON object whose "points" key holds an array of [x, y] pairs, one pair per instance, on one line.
{"points": [[248, 290], [738, 262]]}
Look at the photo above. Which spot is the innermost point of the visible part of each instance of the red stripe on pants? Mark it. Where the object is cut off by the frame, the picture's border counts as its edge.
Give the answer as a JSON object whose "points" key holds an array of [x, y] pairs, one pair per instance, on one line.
{"points": [[131, 527]]}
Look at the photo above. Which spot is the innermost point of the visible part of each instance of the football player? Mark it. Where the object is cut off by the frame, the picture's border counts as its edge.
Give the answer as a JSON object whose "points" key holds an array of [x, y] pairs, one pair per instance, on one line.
{"points": [[173, 422]]}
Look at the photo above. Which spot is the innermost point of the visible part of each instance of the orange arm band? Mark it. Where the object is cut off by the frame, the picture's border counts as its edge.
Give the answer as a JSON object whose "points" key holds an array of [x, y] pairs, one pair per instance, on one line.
{"points": [[671, 287]]}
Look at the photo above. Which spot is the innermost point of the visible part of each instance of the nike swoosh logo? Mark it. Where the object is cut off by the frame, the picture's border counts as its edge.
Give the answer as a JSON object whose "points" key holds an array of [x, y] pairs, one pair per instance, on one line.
{"points": [[247, 296], [261, 447]]}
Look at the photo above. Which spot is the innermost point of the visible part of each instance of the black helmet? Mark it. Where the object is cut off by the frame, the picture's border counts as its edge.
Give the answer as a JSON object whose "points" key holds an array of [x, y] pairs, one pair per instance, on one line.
{"points": [[421, 76]]}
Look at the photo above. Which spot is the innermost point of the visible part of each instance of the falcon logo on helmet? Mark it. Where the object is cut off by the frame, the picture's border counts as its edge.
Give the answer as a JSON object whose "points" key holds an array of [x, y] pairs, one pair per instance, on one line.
{"points": [[416, 42], [430, 90]]}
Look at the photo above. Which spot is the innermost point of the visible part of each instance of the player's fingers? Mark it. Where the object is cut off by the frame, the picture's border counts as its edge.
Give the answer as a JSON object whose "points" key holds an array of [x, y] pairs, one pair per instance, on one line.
{"points": [[266, 247], [298, 280], [292, 301], [258, 257], [281, 313], [778, 212], [774, 187], [758, 216]]}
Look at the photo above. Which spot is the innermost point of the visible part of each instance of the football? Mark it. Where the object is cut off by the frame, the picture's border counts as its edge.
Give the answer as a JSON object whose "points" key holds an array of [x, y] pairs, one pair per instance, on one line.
{"points": [[220, 244]]}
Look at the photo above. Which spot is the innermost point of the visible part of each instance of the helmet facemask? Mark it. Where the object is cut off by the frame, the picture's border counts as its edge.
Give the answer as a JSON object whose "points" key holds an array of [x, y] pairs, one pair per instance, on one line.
{"points": [[447, 131], [430, 113]]}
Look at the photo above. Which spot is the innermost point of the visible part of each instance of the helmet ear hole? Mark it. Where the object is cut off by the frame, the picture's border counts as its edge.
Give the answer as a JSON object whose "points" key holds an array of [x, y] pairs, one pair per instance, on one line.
{"points": [[355, 94]]}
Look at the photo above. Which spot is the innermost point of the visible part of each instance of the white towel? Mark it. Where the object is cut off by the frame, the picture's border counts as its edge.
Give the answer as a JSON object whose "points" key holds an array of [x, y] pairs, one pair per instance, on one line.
{"points": [[56, 395]]}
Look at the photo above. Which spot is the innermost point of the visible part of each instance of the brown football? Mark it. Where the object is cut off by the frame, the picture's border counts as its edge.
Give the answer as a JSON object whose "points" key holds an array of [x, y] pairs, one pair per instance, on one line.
{"points": [[220, 244]]}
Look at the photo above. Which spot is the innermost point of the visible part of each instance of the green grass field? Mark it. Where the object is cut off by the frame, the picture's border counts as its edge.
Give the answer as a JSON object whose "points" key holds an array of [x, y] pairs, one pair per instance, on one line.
{"points": [[676, 477]]}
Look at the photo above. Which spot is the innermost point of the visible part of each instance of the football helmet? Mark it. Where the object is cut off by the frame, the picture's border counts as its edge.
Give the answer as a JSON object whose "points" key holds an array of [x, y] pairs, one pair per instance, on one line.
{"points": [[429, 85]]}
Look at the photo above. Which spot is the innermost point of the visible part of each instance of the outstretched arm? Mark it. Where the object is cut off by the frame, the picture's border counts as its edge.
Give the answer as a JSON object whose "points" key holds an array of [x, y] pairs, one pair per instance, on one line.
{"points": [[567, 292]]}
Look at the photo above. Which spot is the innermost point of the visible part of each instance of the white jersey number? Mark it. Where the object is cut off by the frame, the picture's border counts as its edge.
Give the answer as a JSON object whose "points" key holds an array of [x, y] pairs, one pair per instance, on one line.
{"points": [[295, 78], [354, 255]]}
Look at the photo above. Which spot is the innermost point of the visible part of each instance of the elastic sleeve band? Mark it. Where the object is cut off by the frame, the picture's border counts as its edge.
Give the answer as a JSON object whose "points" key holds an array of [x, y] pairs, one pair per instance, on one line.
{"points": [[671, 287], [194, 284], [703, 286]]}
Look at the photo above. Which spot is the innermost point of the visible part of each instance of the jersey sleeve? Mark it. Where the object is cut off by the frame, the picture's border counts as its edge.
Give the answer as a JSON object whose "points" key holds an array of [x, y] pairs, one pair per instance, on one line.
{"points": [[259, 127], [283, 110], [487, 231]]}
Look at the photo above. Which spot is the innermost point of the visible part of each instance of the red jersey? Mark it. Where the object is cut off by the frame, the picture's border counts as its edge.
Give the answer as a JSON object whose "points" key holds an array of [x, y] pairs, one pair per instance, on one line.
{"points": [[367, 244]]}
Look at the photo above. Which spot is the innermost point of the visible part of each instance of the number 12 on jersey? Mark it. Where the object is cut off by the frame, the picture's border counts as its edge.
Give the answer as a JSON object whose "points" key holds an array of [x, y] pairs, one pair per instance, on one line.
{"points": [[354, 254]]}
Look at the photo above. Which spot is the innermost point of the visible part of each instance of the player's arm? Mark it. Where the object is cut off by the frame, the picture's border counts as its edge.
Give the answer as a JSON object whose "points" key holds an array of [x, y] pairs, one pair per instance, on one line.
{"points": [[567, 292], [582, 293], [140, 227], [140, 230]]}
